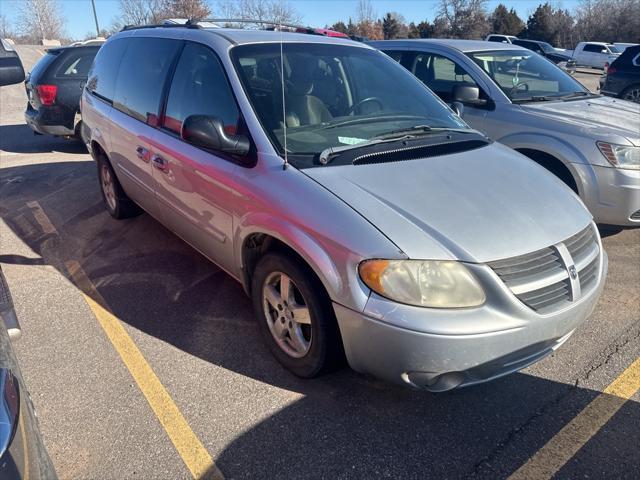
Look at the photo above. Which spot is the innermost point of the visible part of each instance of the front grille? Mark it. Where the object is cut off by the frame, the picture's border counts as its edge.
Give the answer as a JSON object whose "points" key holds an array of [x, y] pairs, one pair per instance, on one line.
{"points": [[635, 215], [541, 279]]}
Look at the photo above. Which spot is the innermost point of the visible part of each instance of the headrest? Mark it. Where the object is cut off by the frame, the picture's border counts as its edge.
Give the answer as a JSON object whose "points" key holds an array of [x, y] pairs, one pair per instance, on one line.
{"points": [[459, 70], [300, 83]]}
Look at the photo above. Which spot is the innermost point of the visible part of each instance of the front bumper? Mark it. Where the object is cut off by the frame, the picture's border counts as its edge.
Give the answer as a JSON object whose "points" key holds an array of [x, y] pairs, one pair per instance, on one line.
{"points": [[612, 195], [443, 349]]}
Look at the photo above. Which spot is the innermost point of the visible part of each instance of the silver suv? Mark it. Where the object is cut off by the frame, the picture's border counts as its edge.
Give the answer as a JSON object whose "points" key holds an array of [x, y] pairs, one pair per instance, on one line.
{"points": [[363, 217]]}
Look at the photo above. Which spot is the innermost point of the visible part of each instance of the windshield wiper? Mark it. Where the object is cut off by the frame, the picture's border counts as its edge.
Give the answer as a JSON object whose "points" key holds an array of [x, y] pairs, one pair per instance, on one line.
{"points": [[330, 153], [533, 98], [417, 131], [571, 95], [379, 118]]}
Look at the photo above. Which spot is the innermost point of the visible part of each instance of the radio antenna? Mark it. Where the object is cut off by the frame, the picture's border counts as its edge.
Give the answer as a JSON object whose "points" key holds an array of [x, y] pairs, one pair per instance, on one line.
{"points": [[284, 110]]}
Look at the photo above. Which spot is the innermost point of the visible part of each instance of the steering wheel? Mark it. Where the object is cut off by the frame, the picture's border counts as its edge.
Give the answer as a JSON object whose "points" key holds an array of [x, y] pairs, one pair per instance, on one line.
{"points": [[515, 88], [355, 106]]}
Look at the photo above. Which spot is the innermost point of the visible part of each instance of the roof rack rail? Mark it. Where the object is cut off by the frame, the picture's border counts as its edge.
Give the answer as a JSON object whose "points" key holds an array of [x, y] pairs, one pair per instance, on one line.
{"points": [[273, 26], [244, 20], [188, 24]]}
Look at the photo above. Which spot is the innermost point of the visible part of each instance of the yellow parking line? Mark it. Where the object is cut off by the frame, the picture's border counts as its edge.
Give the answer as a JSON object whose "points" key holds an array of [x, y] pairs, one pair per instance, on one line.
{"points": [[193, 453], [573, 436]]}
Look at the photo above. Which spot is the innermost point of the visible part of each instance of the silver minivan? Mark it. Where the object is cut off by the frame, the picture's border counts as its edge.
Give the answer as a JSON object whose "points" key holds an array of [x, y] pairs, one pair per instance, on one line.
{"points": [[363, 217]]}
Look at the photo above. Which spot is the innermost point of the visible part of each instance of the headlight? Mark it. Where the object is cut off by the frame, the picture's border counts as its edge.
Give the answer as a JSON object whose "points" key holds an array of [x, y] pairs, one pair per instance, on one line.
{"points": [[424, 283], [621, 156]]}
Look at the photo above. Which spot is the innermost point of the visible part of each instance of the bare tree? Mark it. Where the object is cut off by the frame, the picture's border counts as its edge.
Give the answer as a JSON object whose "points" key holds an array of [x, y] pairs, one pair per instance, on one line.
{"points": [[40, 19], [365, 12], [191, 9], [465, 18], [261, 11], [5, 28], [367, 24], [621, 23], [142, 12]]}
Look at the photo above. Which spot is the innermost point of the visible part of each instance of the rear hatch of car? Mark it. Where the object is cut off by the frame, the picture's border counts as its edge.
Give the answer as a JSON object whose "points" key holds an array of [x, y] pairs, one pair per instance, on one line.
{"points": [[40, 76]]}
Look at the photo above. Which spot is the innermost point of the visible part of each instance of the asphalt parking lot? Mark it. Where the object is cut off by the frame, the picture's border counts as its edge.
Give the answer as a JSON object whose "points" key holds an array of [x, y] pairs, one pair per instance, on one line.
{"points": [[144, 361]]}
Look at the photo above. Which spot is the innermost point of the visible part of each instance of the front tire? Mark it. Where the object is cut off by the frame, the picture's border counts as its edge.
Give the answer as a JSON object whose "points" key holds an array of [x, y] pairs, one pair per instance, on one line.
{"points": [[295, 316], [117, 203]]}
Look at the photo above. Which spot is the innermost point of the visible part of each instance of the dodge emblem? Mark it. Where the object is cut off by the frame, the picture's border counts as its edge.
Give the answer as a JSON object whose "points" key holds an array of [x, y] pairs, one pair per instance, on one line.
{"points": [[573, 273]]}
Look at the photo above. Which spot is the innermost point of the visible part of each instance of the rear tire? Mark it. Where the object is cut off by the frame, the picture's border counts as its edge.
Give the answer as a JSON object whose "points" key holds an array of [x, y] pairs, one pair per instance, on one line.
{"points": [[631, 93], [117, 203], [306, 348]]}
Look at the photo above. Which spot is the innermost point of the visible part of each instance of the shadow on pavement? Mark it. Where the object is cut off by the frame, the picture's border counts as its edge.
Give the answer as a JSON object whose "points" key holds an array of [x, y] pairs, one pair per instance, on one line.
{"points": [[346, 425], [21, 139]]}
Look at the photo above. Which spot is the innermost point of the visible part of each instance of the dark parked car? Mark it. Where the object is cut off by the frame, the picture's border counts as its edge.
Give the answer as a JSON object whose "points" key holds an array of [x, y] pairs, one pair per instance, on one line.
{"points": [[11, 70], [546, 50], [622, 78], [54, 87], [22, 453]]}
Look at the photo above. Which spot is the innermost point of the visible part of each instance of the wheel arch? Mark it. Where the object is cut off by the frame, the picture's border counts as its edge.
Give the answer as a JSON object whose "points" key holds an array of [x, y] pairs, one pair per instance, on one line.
{"points": [[259, 233]]}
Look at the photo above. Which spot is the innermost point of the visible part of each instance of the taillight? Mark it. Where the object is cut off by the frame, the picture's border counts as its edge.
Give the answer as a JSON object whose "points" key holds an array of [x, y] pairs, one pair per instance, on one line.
{"points": [[611, 70], [47, 94]]}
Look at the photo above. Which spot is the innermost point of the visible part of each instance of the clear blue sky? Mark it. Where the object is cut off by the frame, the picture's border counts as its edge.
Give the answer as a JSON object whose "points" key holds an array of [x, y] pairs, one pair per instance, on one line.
{"points": [[79, 17]]}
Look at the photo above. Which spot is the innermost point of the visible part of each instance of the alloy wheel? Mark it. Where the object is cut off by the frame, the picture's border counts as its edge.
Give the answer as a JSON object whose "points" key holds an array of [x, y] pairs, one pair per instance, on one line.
{"points": [[633, 95], [287, 314], [108, 186]]}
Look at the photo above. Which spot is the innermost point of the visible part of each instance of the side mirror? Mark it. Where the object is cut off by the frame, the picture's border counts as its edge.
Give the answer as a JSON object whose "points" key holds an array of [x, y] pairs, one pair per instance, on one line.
{"points": [[468, 95], [208, 132], [458, 108], [11, 70]]}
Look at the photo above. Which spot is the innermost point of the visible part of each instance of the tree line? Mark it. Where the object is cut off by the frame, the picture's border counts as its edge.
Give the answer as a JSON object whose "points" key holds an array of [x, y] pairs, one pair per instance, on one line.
{"points": [[596, 20]]}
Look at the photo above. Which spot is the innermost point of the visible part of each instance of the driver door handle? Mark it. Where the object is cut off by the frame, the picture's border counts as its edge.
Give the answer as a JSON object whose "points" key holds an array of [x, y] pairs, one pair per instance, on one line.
{"points": [[159, 163], [142, 153]]}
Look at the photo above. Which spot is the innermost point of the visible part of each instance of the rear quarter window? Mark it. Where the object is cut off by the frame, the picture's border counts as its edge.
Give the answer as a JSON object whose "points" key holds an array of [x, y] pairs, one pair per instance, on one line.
{"points": [[40, 68], [102, 76], [142, 75], [76, 63]]}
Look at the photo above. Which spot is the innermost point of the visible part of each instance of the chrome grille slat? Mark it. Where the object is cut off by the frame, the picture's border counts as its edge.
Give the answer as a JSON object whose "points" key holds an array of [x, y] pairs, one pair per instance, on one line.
{"points": [[588, 274], [541, 280], [543, 292], [530, 267]]}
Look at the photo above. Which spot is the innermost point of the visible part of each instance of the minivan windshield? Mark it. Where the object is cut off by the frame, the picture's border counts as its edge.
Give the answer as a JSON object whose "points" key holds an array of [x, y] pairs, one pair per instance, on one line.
{"points": [[334, 96], [526, 76]]}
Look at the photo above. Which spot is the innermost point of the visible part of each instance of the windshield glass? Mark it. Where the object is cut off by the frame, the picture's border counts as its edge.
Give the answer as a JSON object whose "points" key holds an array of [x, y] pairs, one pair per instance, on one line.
{"points": [[525, 76], [335, 95], [613, 49]]}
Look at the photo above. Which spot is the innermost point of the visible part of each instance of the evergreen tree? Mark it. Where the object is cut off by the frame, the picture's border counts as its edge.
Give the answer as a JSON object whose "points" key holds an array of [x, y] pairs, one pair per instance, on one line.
{"points": [[506, 22]]}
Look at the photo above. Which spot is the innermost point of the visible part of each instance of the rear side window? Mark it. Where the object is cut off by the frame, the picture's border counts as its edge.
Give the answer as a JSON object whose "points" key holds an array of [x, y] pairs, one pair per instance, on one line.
{"points": [[590, 47], [42, 65], [76, 63], [142, 74], [102, 77], [200, 87], [395, 54]]}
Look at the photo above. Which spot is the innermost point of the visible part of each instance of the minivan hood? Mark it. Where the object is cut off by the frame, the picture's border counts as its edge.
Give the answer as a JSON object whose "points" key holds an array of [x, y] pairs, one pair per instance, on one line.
{"points": [[598, 114], [476, 206]]}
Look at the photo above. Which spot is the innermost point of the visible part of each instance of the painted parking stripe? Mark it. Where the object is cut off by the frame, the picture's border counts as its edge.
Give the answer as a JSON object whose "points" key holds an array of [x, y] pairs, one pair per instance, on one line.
{"points": [[191, 450], [573, 436]]}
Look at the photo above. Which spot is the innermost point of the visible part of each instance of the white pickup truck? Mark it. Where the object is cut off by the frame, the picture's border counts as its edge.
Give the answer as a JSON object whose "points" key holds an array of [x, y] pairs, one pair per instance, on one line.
{"points": [[595, 54]]}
